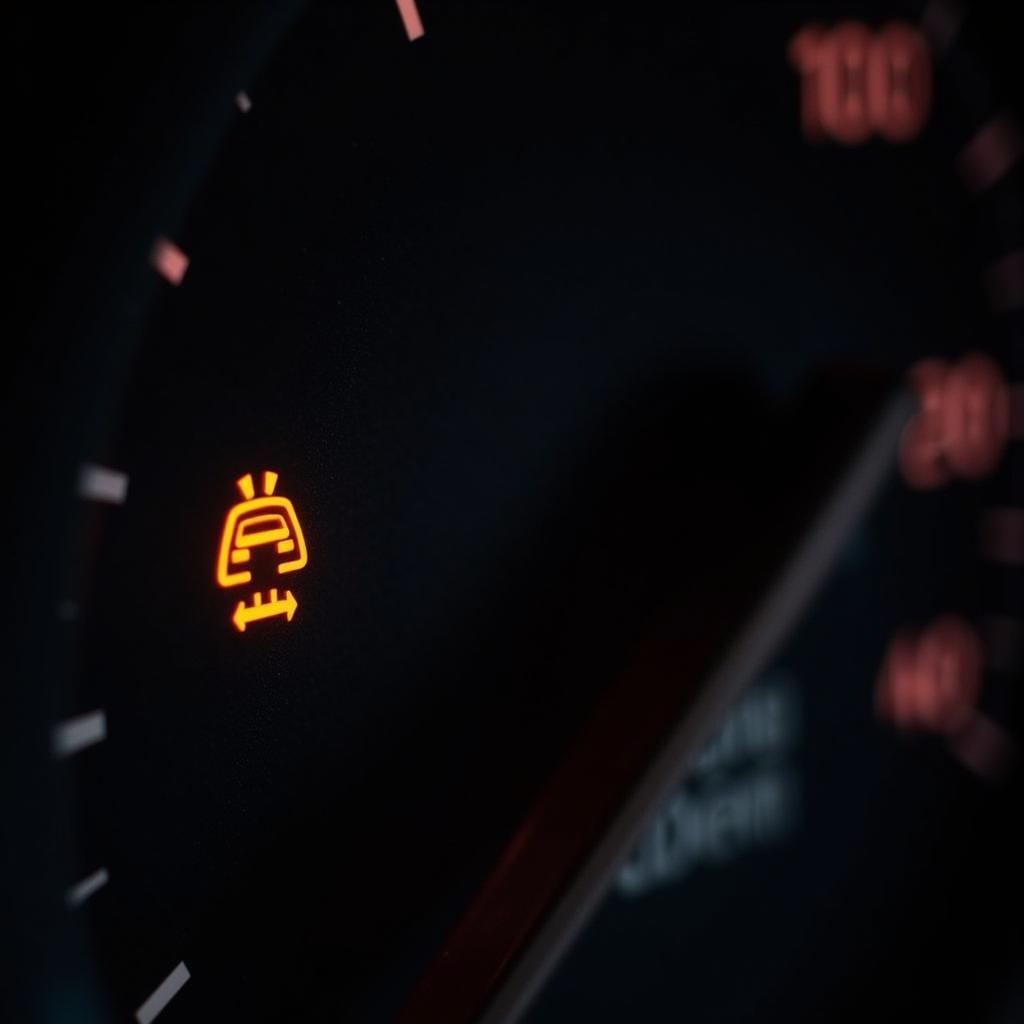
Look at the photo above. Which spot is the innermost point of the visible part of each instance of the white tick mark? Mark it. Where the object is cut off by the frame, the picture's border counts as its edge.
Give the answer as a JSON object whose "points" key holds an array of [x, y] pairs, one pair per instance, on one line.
{"points": [[75, 734], [81, 891], [162, 994], [98, 483]]}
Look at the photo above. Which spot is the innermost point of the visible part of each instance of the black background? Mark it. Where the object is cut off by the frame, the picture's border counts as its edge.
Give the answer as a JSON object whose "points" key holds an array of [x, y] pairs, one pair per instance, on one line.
{"points": [[471, 299]]}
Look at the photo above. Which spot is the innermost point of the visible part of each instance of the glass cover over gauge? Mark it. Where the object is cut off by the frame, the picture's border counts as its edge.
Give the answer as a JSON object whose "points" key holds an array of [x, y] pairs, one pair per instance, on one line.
{"points": [[517, 514]]}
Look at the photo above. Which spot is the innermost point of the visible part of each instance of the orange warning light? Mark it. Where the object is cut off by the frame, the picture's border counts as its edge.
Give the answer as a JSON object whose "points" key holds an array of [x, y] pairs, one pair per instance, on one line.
{"points": [[256, 522]]}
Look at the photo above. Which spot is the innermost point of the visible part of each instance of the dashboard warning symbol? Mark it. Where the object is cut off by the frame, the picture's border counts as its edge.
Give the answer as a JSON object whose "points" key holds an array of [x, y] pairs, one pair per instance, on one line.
{"points": [[254, 523]]}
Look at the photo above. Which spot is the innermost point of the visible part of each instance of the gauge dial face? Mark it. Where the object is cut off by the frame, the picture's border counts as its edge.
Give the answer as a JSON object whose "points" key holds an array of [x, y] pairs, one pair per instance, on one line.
{"points": [[445, 413]]}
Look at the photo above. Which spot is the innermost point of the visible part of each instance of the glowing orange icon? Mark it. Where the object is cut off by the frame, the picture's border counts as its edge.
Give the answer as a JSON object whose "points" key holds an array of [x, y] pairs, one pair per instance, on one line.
{"points": [[253, 523]]}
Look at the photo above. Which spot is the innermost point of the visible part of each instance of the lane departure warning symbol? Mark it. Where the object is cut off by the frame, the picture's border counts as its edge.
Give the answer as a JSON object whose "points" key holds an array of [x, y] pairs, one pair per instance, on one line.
{"points": [[253, 523]]}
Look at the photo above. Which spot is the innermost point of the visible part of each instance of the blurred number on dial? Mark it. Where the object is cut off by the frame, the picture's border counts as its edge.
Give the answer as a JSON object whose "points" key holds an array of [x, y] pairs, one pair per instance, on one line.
{"points": [[962, 424], [855, 82]]}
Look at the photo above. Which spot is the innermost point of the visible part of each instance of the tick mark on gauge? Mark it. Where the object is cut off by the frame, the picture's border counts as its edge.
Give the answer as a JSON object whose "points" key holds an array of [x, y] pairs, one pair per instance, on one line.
{"points": [[163, 994], [1017, 411], [243, 102], [168, 261], [81, 891], [990, 154], [1002, 536], [985, 748], [75, 734], [98, 483], [1004, 643], [1005, 281], [940, 22], [410, 19]]}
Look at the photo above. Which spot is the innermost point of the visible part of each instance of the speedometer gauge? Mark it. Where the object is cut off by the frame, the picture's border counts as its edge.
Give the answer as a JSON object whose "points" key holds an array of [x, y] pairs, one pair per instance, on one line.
{"points": [[517, 515]]}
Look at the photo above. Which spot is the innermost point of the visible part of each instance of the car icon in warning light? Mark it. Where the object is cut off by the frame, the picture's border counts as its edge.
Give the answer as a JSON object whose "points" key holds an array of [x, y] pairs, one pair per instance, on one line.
{"points": [[254, 523]]}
